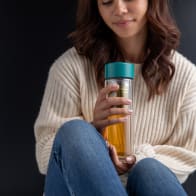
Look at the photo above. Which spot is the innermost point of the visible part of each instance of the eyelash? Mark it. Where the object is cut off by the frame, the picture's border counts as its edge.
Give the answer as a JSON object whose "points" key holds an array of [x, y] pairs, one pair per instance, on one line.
{"points": [[110, 2]]}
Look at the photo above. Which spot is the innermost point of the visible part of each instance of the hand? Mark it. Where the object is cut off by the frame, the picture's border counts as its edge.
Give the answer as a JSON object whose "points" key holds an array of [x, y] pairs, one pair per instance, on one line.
{"points": [[105, 107], [122, 166]]}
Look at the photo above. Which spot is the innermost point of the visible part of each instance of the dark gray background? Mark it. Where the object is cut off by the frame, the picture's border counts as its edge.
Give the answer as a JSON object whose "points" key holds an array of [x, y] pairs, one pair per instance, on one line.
{"points": [[32, 35]]}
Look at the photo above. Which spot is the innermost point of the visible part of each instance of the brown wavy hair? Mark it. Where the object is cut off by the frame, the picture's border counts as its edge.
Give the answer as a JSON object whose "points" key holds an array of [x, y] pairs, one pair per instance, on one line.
{"points": [[93, 39]]}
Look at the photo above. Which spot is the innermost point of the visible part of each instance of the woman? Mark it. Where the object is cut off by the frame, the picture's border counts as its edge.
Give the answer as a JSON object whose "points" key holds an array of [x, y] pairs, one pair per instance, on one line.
{"points": [[75, 106]]}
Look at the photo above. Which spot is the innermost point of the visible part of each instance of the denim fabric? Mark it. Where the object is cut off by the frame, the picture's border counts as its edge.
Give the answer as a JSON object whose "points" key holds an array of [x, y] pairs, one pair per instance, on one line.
{"points": [[149, 177], [80, 166]]}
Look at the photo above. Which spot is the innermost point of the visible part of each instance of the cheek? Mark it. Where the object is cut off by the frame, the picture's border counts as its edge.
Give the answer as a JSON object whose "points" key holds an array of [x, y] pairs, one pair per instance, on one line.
{"points": [[104, 13], [142, 7], [101, 10], [142, 13], [105, 17]]}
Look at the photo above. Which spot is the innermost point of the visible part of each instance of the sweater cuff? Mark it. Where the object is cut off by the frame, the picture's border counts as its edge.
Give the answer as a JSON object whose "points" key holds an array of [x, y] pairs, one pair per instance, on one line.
{"points": [[144, 151]]}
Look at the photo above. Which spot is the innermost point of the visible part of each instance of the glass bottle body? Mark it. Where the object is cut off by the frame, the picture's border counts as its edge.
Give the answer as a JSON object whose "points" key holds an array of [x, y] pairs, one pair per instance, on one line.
{"points": [[119, 134]]}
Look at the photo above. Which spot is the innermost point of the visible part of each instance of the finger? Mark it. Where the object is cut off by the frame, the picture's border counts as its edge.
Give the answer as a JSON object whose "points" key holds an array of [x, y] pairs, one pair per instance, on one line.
{"points": [[115, 101], [125, 167], [103, 123], [112, 116], [106, 90], [113, 155], [121, 112], [121, 166]]}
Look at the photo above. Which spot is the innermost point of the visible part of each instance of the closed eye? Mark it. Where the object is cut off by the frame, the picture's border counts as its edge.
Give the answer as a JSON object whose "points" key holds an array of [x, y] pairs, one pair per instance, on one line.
{"points": [[107, 2]]}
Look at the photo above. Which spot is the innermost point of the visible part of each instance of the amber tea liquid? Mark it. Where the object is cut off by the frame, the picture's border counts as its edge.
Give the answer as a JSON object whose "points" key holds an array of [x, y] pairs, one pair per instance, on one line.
{"points": [[118, 136]]}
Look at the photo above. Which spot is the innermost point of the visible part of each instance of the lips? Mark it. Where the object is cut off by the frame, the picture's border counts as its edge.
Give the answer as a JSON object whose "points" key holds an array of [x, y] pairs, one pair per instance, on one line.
{"points": [[123, 22]]}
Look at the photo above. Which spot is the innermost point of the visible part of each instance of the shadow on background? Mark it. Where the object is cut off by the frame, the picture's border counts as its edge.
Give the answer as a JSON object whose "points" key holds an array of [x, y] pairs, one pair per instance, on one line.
{"points": [[33, 34]]}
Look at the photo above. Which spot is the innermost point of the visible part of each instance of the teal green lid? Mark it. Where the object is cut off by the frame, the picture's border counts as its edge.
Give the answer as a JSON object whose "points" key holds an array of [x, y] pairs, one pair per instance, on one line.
{"points": [[119, 70]]}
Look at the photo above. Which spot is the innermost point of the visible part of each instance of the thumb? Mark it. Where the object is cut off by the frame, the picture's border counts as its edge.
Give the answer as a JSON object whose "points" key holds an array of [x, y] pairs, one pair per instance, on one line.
{"points": [[131, 159]]}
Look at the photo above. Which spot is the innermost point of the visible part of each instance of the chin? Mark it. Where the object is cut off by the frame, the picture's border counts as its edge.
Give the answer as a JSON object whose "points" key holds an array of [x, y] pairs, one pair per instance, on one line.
{"points": [[124, 36]]}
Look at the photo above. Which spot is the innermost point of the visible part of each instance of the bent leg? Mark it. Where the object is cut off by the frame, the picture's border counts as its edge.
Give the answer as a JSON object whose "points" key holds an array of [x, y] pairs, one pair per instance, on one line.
{"points": [[80, 164], [149, 177]]}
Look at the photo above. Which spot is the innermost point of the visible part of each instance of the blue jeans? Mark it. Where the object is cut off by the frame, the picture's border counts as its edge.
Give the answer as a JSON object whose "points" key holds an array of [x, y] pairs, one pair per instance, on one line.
{"points": [[80, 166]]}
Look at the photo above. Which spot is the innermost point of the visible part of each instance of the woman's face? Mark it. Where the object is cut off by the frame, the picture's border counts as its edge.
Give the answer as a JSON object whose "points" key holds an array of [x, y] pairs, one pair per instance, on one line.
{"points": [[126, 18]]}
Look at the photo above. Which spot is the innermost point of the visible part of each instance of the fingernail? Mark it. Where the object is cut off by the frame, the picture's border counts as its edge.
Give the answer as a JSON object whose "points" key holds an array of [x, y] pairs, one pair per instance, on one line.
{"points": [[115, 86], [129, 159], [129, 101], [130, 111]]}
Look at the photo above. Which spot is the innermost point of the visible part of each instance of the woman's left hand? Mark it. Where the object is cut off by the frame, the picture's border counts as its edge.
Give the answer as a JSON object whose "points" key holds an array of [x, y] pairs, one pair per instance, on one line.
{"points": [[122, 166]]}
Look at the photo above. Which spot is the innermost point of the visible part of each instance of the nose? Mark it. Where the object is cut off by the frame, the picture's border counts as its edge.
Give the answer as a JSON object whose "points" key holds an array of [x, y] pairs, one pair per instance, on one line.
{"points": [[120, 8]]}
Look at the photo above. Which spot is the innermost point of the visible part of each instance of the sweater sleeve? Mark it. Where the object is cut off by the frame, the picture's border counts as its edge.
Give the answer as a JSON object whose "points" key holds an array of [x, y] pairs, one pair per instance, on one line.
{"points": [[179, 152], [60, 103]]}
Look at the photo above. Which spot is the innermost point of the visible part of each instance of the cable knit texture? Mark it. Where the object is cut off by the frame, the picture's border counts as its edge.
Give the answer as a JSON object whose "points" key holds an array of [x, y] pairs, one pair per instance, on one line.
{"points": [[165, 127]]}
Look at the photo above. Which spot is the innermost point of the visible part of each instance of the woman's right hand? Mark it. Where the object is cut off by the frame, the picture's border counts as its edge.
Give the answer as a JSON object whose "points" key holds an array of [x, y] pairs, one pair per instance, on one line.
{"points": [[105, 107]]}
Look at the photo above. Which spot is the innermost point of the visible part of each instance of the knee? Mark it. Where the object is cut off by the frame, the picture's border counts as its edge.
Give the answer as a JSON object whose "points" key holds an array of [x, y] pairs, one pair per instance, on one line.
{"points": [[152, 170], [73, 129], [78, 138], [148, 167], [76, 132], [154, 177], [148, 164]]}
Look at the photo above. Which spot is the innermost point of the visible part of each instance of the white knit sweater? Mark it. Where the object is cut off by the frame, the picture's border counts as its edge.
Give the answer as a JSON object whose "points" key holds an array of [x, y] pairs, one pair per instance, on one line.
{"points": [[165, 127]]}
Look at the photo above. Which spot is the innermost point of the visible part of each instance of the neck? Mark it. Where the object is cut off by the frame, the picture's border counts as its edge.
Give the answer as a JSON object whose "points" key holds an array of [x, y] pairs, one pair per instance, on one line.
{"points": [[133, 49]]}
